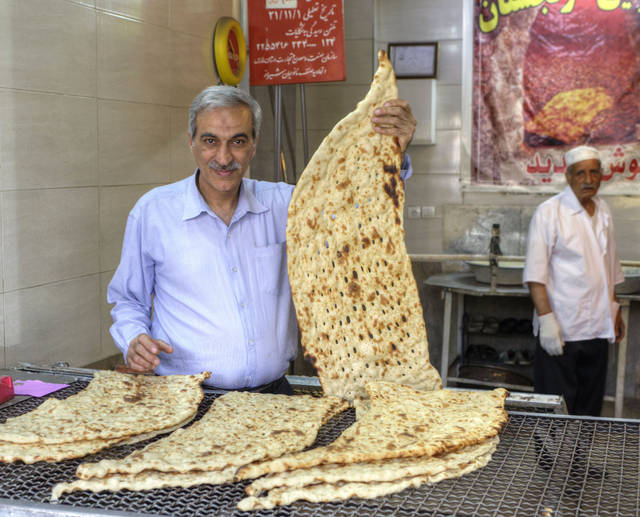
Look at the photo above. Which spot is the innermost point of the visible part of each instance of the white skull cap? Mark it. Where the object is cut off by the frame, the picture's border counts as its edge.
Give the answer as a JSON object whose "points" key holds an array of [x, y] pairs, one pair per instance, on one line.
{"points": [[580, 153]]}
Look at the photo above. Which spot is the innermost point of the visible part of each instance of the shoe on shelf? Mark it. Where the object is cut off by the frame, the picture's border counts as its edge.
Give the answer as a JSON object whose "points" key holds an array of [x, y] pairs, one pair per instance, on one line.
{"points": [[524, 326], [508, 357], [524, 357], [508, 325], [481, 353], [475, 323], [491, 325]]}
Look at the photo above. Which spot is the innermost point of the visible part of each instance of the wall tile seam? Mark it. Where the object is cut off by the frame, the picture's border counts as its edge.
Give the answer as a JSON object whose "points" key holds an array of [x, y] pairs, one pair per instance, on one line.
{"points": [[132, 18], [447, 128], [45, 92], [55, 282], [144, 184], [36, 91], [37, 189], [128, 17]]}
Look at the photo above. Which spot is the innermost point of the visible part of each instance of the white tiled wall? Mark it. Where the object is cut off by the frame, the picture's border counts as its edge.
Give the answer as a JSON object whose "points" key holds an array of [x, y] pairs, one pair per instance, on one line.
{"points": [[93, 113]]}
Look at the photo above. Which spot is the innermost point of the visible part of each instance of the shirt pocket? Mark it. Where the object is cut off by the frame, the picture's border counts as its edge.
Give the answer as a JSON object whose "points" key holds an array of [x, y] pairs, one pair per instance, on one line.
{"points": [[270, 267]]}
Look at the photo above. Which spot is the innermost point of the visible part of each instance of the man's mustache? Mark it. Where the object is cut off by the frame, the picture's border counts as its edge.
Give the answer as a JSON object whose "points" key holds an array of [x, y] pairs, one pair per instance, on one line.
{"points": [[231, 166]]}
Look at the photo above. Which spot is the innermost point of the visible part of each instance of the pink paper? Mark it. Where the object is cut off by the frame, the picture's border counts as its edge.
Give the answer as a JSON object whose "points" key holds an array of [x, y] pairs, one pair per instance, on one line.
{"points": [[36, 388]]}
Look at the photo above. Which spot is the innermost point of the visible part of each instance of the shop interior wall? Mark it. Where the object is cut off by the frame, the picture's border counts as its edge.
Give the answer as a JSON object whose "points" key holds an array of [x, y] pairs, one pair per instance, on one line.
{"points": [[93, 113], [461, 220]]}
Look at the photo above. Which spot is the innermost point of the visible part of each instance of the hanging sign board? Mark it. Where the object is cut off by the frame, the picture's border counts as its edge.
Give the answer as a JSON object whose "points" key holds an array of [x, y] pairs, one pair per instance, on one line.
{"points": [[296, 41]]}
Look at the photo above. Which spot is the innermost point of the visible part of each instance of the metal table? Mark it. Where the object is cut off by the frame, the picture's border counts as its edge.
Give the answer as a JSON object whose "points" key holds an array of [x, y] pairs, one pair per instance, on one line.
{"points": [[458, 285], [545, 464]]}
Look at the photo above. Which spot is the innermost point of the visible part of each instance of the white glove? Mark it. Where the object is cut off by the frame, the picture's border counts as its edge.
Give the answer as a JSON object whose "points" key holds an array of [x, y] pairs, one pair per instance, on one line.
{"points": [[550, 335]]}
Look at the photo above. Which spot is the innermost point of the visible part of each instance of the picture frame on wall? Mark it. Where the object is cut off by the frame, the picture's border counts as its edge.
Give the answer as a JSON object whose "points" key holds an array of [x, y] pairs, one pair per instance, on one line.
{"points": [[414, 60]]}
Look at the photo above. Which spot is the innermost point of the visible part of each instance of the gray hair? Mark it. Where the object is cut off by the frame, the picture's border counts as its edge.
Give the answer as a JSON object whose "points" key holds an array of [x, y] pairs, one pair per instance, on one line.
{"points": [[224, 97]]}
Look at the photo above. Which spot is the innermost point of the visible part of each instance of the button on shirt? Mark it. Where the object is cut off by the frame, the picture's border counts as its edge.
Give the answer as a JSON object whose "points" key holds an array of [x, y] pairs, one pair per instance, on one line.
{"points": [[576, 259], [221, 295]]}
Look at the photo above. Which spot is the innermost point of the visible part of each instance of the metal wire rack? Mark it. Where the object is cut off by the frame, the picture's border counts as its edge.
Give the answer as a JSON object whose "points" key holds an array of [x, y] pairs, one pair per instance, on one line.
{"points": [[546, 465]]}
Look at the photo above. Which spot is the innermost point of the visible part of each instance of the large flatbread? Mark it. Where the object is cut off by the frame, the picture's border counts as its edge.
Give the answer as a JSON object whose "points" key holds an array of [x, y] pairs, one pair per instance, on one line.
{"points": [[113, 405], [402, 423], [239, 428], [374, 471], [52, 452], [355, 297], [146, 480], [366, 480]]}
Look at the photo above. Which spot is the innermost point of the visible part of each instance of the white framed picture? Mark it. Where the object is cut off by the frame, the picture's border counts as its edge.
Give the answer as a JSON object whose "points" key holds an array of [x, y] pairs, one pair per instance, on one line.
{"points": [[414, 60]]}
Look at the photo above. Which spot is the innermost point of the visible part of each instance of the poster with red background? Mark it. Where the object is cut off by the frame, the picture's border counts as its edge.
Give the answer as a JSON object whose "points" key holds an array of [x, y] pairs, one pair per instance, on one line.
{"points": [[548, 78], [295, 41]]}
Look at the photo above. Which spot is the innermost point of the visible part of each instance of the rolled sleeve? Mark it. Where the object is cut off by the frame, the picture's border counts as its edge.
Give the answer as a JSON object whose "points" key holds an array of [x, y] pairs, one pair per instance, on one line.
{"points": [[536, 267], [130, 290], [406, 169]]}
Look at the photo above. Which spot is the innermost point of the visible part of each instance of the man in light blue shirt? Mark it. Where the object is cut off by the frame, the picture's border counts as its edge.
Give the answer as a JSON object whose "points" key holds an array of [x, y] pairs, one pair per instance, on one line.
{"points": [[202, 283]]}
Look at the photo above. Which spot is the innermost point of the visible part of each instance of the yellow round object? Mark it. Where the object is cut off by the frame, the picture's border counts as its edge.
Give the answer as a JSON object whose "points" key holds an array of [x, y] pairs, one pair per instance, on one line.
{"points": [[229, 50]]}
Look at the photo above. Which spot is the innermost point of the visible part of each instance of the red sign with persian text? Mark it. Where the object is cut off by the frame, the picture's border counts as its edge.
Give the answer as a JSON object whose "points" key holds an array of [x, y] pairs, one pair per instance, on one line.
{"points": [[296, 41], [551, 75]]}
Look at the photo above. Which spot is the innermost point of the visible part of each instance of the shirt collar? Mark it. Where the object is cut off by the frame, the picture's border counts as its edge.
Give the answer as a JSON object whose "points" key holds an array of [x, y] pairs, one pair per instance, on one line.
{"points": [[195, 204], [571, 201]]}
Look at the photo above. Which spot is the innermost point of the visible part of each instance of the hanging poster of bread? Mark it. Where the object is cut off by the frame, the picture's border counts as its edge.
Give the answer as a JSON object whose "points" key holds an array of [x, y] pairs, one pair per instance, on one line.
{"points": [[551, 76], [355, 296]]}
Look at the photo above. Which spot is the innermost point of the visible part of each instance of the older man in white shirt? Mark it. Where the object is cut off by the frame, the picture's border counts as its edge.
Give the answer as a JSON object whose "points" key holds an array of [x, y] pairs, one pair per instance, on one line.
{"points": [[571, 269]]}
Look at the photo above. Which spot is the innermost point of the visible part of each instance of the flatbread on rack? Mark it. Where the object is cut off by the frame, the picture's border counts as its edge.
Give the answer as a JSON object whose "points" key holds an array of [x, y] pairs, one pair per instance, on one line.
{"points": [[402, 423], [376, 471], [367, 480], [406, 438], [239, 428], [355, 296], [113, 406], [52, 452]]}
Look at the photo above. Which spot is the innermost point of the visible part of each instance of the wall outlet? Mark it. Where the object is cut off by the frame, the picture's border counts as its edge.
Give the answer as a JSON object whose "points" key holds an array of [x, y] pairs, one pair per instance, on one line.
{"points": [[428, 211], [413, 212]]}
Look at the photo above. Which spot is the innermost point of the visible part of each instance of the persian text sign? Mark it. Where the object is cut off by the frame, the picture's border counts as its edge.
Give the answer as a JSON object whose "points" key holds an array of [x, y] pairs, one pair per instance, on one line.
{"points": [[552, 75], [296, 41]]}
